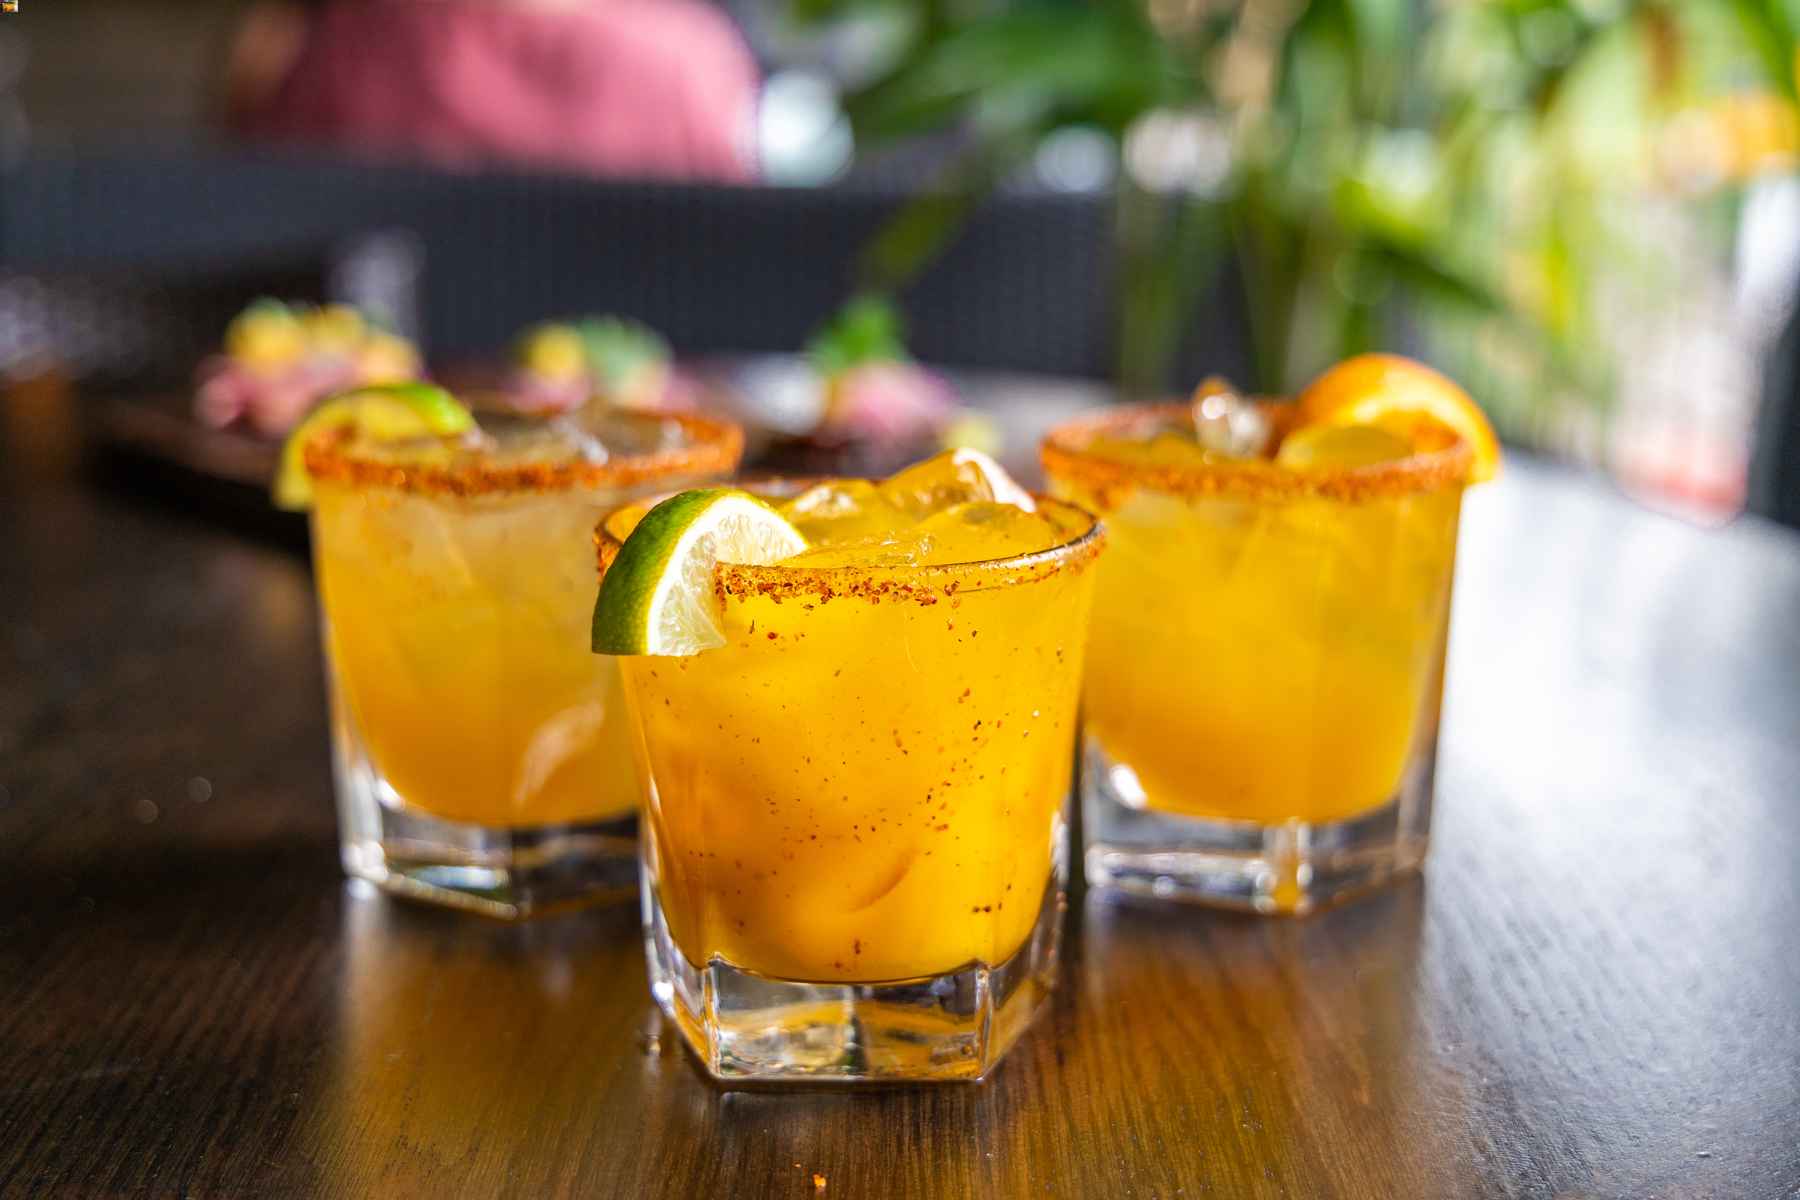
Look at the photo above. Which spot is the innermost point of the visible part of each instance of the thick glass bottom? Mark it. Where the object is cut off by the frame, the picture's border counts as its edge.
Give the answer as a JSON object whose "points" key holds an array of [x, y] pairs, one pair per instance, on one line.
{"points": [[499, 872], [749, 1029], [1292, 867]]}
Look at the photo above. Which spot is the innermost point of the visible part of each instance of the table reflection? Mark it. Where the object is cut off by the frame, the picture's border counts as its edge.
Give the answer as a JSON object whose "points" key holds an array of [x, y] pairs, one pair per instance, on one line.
{"points": [[1301, 1045], [459, 1036]]}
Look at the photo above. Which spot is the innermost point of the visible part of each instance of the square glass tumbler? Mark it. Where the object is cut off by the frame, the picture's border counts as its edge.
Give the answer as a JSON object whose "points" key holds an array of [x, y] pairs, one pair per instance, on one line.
{"points": [[1265, 666], [481, 752], [853, 853]]}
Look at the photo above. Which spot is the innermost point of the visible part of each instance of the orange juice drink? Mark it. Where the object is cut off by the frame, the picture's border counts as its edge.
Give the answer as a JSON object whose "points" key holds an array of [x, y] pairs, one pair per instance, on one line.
{"points": [[483, 754], [1266, 658], [856, 793]]}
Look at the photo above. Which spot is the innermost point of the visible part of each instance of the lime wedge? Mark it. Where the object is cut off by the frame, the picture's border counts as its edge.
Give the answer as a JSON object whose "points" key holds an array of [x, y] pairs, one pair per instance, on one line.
{"points": [[657, 597], [389, 412]]}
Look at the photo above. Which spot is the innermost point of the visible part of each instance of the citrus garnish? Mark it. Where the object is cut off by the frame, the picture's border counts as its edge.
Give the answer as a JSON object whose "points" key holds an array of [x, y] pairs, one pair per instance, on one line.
{"points": [[388, 412], [1398, 394], [657, 596], [335, 328], [554, 352], [267, 334], [1313, 447]]}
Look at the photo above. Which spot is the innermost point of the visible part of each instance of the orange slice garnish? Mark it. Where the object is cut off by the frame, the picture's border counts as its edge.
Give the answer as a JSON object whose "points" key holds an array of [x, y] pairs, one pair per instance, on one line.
{"points": [[1404, 397]]}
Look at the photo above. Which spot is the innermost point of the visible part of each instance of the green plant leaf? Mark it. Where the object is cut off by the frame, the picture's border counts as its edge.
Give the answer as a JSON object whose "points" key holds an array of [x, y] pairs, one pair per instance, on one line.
{"points": [[1093, 64], [867, 329], [1771, 28], [1435, 278]]}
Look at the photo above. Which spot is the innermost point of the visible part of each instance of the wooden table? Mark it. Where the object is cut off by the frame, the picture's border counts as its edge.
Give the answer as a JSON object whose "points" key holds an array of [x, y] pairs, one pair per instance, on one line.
{"points": [[1595, 991]]}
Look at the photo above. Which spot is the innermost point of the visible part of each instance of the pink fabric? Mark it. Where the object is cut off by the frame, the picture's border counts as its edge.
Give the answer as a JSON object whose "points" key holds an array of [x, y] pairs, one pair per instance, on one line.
{"points": [[662, 88]]}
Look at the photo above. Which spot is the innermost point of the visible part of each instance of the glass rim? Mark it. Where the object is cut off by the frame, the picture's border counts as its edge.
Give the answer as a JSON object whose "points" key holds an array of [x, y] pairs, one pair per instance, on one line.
{"points": [[925, 584], [1066, 454], [712, 446]]}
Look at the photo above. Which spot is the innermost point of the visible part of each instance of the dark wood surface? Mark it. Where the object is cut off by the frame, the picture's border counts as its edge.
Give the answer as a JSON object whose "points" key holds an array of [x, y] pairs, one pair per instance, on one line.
{"points": [[1594, 991]]}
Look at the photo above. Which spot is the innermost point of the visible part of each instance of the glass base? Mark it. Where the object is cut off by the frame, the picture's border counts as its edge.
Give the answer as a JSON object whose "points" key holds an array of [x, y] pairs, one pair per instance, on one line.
{"points": [[748, 1029], [1294, 867], [499, 872]]}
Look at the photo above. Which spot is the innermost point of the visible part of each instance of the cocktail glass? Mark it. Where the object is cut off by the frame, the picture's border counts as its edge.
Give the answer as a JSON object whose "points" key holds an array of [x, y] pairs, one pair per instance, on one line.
{"points": [[482, 756], [1266, 661], [853, 851]]}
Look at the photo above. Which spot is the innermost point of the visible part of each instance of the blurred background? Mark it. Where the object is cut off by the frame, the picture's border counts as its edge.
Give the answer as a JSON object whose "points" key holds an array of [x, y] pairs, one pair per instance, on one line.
{"points": [[1588, 212]]}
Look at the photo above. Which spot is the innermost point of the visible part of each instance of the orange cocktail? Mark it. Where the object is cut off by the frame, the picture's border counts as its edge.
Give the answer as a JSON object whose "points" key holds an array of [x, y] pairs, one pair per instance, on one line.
{"points": [[1266, 658], [484, 757], [858, 797]]}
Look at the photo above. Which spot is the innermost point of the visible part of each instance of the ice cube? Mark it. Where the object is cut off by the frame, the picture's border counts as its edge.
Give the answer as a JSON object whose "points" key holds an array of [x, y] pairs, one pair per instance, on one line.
{"points": [[512, 441], [951, 478], [582, 442], [974, 531], [980, 530], [1226, 423], [895, 549], [843, 510]]}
